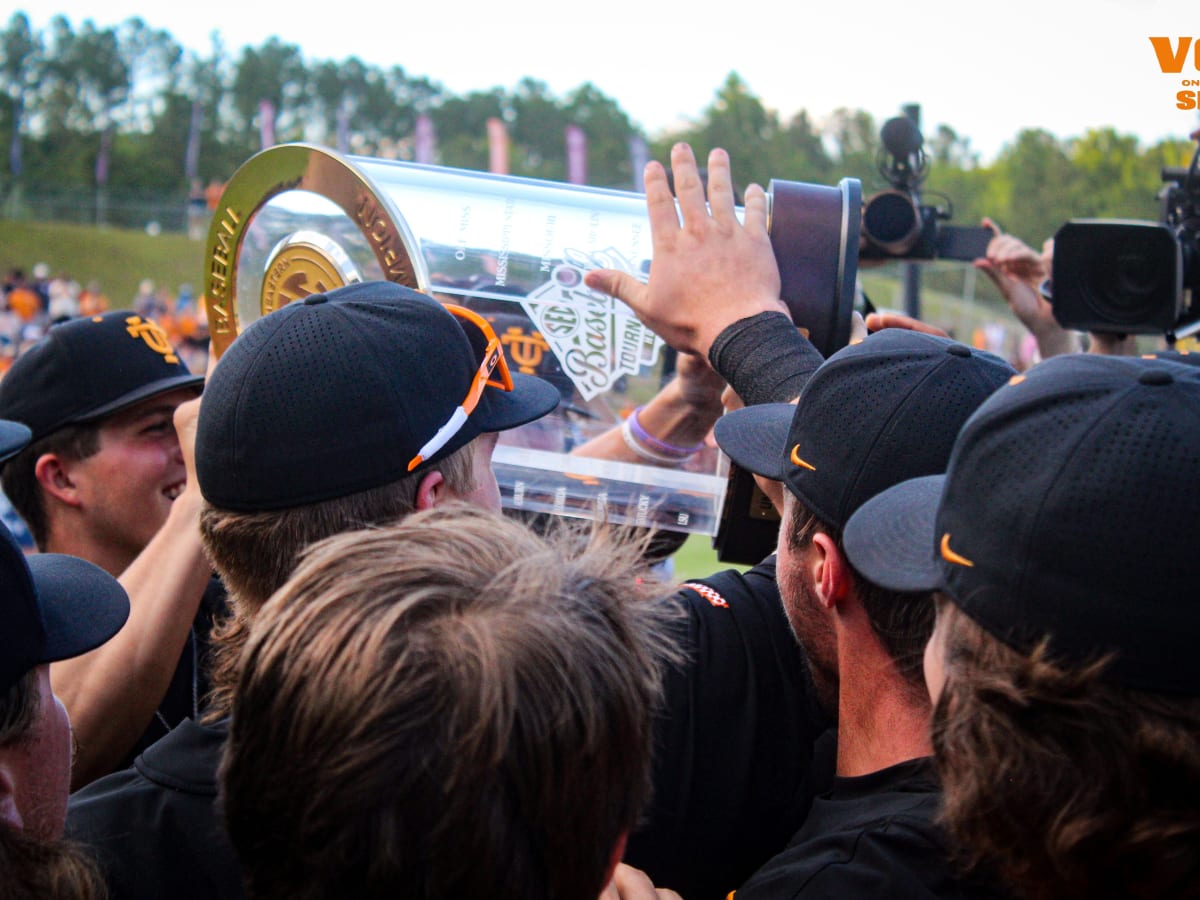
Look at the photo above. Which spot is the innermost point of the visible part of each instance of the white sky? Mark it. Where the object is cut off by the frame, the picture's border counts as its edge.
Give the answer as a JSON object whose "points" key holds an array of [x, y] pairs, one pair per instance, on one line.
{"points": [[986, 70]]}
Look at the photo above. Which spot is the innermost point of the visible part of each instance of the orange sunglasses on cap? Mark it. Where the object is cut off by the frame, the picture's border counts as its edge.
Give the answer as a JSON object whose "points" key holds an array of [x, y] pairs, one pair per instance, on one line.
{"points": [[493, 361]]}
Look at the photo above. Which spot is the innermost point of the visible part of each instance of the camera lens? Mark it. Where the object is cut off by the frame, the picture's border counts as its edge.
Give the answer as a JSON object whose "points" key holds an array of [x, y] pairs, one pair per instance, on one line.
{"points": [[891, 222], [1116, 276], [1129, 275]]}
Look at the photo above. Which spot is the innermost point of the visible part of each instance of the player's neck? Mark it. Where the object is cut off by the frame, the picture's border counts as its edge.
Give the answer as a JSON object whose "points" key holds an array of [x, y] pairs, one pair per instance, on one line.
{"points": [[80, 542], [882, 721]]}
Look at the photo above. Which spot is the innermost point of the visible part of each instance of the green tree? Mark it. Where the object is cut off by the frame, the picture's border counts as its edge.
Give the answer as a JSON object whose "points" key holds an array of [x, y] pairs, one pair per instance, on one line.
{"points": [[274, 73], [856, 147], [736, 121], [461, 124], [1036, 186], [148, 150], [20, 58], [803, 153], [955, 183], [85, 80], [538, 132], [374, 106], [608, 131], [1113, 180]]}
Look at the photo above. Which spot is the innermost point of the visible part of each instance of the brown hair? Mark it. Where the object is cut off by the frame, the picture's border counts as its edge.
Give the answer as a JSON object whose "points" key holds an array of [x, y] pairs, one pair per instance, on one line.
{"points": [[901, 621], [1060, 782], [32, 868], [19, 476], [19, 708], [255, 552], [448, 707]]}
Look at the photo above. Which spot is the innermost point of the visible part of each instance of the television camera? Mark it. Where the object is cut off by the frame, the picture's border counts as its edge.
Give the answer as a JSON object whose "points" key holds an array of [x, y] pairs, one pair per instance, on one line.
{"points": [[1120, 276], [896, 224]]}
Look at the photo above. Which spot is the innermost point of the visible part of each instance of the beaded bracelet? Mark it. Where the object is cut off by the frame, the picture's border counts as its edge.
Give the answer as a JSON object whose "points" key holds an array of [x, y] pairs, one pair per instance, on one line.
{"points": [[654, 444]]}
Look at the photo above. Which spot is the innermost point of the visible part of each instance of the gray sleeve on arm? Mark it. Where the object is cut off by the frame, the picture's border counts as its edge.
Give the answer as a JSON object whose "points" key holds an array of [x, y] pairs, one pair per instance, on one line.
{"points": [[764, 358]]}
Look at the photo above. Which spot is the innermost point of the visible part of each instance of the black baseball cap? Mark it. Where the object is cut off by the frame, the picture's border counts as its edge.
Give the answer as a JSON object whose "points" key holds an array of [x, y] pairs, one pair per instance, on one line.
{"points": [[53, 607], [1187, 357], [1067, 513], [337, 393], [91, 367], [875, 413], [13, 438]]}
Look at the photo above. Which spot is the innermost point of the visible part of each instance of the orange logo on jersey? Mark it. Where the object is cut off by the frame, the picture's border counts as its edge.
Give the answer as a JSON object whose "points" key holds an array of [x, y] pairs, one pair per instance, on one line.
{"points": [[713, 597], [526, 350], [154, 336]]}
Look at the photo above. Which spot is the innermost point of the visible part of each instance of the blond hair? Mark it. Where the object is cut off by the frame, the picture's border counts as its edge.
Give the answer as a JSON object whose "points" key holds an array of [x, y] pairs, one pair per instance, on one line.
{"points": [[451, 706]]}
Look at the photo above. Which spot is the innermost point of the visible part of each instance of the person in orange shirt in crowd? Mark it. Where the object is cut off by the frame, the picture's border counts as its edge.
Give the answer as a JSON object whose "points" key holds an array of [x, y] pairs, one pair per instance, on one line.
{"points": [[92, 300], [24, 302]]}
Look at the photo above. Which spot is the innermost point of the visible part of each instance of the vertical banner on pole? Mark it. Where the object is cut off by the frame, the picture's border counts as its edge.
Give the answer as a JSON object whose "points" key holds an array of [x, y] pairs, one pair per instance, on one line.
{"points": [[106, 139], [343, 127], [191, 158], [424, 140], [266, 123], [576, 155], [497, 134], [15, 162], [639, 155]]}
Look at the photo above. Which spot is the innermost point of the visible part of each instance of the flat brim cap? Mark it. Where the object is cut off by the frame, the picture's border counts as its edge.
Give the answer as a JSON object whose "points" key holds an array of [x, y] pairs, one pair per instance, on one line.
{"points": [[891, 539], [880, 412], [14, 437], [755, 437], [83, 605], [90, 367], [54, 607], [337, 393], [1068, 517]]}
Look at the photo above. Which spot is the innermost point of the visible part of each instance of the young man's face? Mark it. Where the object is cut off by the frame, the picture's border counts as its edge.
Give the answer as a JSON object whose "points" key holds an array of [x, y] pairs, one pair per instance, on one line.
{"points": [[126, 488], [41, 765]]}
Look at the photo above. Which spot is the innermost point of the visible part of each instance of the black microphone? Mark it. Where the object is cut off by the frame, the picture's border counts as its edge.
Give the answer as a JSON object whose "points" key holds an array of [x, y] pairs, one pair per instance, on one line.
{"points": [[901, 137]]}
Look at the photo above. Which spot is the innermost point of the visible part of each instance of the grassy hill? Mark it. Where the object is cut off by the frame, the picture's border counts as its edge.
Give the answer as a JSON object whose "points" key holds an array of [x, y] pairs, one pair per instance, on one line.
{"points": [[118, 259]]}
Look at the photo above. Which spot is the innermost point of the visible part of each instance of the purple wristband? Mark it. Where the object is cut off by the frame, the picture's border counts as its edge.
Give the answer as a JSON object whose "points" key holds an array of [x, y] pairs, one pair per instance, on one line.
{"points": [[654, 443]]}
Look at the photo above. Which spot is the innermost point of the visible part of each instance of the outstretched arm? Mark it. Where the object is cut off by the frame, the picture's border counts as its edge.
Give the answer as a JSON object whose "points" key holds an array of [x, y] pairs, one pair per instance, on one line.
{"points": [[1018, 272], [112, 692], [677, 418], [714, 283], [708, 270]]}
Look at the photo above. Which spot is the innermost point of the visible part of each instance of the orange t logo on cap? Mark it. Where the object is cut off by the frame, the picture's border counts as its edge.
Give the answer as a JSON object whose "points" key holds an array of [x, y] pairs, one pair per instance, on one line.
{"points": [[154, 336]]}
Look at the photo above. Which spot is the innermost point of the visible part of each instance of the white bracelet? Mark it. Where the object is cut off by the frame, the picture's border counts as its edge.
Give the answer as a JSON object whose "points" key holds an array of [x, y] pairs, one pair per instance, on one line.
{"points": [[644, 452]]}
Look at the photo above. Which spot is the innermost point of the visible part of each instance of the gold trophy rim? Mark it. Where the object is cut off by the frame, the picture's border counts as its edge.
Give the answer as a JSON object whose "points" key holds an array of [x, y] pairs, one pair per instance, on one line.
{"points": [[318, 170]]}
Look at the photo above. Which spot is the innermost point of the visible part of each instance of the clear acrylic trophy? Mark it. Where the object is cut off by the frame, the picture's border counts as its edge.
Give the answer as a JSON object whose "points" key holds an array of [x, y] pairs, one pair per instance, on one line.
{"points": [[298, 218]]}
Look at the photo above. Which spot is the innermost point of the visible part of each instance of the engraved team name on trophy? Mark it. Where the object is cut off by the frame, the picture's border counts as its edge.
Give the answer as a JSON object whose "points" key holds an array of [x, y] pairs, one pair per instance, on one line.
{"points": [[297, 219]]}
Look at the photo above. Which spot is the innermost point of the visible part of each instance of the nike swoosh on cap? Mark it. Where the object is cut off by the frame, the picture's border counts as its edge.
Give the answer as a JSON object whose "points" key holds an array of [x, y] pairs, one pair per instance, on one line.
{"points": [[950, 556], [796, 460]]}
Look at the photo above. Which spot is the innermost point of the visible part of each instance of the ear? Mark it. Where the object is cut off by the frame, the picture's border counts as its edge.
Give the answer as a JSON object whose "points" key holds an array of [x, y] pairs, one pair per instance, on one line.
{"points": [[431, 490], [830, 571], [9, 814], [54, 474]]}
